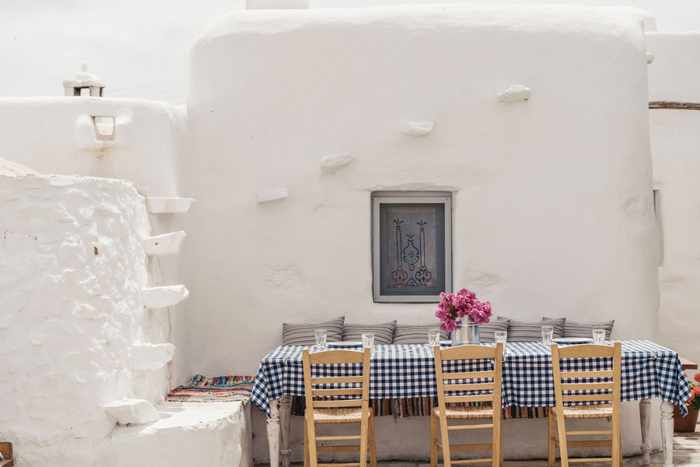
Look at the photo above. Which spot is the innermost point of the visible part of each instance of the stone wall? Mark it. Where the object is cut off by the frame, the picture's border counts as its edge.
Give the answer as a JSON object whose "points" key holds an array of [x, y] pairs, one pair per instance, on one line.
{"points": [[72, 268]]}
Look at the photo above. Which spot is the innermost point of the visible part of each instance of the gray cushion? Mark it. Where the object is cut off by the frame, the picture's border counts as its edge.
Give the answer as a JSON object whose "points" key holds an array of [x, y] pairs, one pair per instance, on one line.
{"points": [[303, 334], [531, 331], [585, 329], [415, 334], [486, 330], [383, 332]]}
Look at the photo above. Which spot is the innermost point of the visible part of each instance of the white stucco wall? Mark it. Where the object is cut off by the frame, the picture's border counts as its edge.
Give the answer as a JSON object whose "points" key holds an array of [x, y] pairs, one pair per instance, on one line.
{"points": [[72, 267], [552, 198], [54, 135], [675, 140]]}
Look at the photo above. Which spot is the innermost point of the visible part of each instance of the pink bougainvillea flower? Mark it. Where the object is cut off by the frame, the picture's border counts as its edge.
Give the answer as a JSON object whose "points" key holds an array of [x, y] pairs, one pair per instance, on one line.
{"points": [[454, 308]]}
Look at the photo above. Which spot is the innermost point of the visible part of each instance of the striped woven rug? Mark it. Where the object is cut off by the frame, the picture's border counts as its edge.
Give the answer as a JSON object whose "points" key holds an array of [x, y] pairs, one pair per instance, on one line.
{"points": [[215, 389]]}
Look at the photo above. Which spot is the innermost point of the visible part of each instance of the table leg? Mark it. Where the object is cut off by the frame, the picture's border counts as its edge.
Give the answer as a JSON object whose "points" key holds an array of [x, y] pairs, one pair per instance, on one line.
{"points": [[273, 433], [285, 422], [645, 424], [667, 432]]}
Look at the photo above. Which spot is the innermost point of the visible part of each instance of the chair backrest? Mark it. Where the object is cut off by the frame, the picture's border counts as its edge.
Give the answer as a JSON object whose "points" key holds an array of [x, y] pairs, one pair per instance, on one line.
{"points": [[482, 385], [323, 389], [576, 386]]}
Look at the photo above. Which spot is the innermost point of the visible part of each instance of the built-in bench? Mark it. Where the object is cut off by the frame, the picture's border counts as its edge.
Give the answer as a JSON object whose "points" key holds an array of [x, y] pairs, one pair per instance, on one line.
{"points": [[212, 434]]}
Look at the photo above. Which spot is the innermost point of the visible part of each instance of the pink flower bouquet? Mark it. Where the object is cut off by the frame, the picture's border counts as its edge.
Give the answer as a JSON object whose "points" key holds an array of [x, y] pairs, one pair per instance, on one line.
{"points": [[454, 308]]}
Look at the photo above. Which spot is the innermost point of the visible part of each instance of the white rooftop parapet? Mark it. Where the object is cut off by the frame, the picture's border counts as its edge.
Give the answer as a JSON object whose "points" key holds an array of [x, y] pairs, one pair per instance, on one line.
{"points": [[132, 411], [151, 356], [276, 4], [165, 296], [165, 244]]}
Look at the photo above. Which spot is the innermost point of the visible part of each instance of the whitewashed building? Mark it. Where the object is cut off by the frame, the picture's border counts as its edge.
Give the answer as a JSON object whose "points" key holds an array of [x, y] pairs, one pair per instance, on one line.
{"points": [[567, 197]]}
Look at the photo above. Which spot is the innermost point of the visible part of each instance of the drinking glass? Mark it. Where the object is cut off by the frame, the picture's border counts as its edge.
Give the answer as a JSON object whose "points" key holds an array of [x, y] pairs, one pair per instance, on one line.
{"points": [[599, 336], [500, 337], [321, 336], [368, 341], [547, 335], [434, 338]]}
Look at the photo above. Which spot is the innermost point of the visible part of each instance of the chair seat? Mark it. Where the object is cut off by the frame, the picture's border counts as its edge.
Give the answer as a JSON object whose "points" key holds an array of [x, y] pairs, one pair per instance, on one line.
{"points": [[349, 415], [586, 411], [465, 412]]}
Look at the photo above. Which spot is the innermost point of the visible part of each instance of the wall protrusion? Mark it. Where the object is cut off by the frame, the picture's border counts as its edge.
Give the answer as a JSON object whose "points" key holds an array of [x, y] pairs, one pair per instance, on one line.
{"points": [[417, 127], [272, 194], [333, 162], [515, 93], [168, 204], [165, 244], [151, 356], [132, 411], [165, 296]]}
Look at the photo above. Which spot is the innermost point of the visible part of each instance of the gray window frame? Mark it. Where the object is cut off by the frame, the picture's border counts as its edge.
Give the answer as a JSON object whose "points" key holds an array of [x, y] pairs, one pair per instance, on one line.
{"points": [[409, 197]]}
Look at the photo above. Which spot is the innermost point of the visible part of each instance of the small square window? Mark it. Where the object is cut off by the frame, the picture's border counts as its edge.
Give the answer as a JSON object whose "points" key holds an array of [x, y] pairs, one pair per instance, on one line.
{"points": [[411, 246]]}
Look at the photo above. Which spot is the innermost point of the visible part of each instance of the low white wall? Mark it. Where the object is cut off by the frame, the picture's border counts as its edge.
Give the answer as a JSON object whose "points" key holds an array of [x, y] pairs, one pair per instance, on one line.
{"points": [[216, 434], [72, 267], [675, 76]]}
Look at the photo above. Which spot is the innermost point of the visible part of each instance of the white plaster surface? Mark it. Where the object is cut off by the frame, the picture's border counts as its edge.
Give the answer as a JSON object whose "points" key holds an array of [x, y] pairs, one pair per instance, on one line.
{"points": [[55, 135], [164, 296], [675, 141], [71, 271], [164, 244], [189, 434], [131, 411], [151, 356], [552, 202]]}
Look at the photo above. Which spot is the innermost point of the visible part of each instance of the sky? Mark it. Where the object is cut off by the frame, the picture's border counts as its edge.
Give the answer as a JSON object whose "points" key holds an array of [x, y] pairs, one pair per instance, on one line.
{"points": [[140, 48]]}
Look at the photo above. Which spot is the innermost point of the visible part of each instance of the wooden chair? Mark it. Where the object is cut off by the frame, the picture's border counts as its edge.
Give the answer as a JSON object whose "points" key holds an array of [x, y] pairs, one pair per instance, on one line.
{"points": [[481, 387], [338, 400], [575, 387], [6, 451]]}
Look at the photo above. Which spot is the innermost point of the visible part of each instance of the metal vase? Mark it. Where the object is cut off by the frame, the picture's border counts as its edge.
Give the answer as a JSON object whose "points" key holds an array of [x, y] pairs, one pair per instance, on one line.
{"points": [[466, 333]]}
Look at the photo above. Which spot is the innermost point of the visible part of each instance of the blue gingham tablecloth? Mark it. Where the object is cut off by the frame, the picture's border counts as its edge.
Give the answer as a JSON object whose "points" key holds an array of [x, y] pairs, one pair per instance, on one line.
{"points": [[405, 371]]}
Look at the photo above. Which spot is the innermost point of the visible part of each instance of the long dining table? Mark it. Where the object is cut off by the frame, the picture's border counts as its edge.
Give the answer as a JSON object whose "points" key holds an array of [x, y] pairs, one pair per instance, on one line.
{"points": [[649, 371]]}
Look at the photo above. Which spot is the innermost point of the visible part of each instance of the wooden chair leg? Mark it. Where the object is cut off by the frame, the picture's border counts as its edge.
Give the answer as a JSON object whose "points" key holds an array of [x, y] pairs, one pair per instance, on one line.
{"points": [[311, 433], [372, 444], [445, 440], [496, 443], [306, 445], [563, 448], [551, 444], [433, 440], [617, 449]]}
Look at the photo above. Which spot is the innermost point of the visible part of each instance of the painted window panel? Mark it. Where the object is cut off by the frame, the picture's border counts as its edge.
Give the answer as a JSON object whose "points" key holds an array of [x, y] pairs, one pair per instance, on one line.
{"points": [[411, 254]]}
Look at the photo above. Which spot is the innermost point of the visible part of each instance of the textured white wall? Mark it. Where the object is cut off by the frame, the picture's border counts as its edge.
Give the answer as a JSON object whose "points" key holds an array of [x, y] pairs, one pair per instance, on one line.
{"points": [[47, 135], [552, 198], [71, 271], [675, 75]]}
